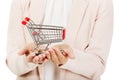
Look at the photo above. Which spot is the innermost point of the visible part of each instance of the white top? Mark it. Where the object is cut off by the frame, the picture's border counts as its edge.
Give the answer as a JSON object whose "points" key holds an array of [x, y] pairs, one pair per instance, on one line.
{"points": [[55, 8]]}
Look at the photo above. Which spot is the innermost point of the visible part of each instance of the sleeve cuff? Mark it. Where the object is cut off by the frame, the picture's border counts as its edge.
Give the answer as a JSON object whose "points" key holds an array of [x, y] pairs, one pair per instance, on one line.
{"points": [[18, 64], [86, 64]]}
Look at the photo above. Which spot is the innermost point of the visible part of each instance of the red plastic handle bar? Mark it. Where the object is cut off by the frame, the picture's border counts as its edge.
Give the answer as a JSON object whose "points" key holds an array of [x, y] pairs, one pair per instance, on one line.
{"points": [[64, 34], [27, 19], [34, 33], [24, 22]]}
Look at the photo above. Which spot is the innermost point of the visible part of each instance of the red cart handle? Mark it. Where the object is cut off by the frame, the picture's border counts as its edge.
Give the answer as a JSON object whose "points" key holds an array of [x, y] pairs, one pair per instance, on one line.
{"points": [[64, 34], [25, 21]]}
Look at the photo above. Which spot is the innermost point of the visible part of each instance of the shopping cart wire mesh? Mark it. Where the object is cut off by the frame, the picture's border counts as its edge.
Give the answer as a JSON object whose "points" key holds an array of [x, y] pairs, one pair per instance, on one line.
{"points": [[44, 34]]}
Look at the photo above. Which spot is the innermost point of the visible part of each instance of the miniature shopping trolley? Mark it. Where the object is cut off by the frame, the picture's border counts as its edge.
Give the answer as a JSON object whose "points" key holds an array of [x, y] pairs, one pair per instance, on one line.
{"points": [[44, 34]]}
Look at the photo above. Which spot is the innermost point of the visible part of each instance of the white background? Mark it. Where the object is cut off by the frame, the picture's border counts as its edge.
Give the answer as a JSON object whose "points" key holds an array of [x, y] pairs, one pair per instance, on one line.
{"points": [[112, 71]]}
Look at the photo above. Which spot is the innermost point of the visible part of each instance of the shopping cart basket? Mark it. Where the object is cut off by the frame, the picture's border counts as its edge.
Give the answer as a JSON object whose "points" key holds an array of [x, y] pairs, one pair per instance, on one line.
{"points": [[44, 34]]}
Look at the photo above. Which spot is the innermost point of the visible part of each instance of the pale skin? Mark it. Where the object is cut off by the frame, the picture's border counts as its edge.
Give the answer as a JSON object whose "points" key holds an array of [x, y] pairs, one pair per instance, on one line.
{"points": [[53, 54]]}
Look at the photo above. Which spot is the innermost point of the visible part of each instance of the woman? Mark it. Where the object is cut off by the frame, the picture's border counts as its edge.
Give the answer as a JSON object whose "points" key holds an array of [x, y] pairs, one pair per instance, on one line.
{"points": [[83, 54]]}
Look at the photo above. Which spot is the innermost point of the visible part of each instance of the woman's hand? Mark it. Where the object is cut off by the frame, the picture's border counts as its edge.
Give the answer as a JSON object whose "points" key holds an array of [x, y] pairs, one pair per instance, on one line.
{"points": [[41, 58], [30, 54], [59, 54], [56, 56]]}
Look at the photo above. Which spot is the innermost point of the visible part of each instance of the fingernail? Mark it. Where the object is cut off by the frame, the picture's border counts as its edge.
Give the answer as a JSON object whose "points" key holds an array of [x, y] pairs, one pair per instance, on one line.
{"points": [[47, 53], [45, 60], [64, 54], [51, 49], [43, 55], [33, 61], [40, 56]]}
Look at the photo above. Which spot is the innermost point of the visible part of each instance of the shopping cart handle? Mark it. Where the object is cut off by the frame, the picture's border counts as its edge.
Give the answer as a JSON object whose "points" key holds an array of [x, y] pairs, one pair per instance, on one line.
{"points": [[27, 19], [24, 22], [64, 34]]}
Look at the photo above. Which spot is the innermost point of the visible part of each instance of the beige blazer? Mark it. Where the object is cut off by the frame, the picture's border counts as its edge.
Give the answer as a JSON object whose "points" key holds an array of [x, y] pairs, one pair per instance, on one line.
{"points": [[89, 33]]}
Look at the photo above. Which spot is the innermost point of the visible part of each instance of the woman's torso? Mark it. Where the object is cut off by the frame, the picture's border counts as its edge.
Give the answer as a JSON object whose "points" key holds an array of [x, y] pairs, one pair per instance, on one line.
{"points": [[57, 15]]}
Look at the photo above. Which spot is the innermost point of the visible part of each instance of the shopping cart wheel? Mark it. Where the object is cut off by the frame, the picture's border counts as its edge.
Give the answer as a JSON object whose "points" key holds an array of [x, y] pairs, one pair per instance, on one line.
{"points": [[38, 53], [34, 33], [60, 65]]}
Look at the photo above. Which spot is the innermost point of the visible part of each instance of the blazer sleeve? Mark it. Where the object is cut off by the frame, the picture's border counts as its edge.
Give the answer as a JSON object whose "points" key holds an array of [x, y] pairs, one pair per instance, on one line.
{"points": [[91, 62], [16, 41]]}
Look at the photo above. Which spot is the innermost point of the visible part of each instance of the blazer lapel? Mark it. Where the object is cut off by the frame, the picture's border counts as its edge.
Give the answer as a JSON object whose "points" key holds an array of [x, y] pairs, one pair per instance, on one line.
{"points": [[75, 18]]}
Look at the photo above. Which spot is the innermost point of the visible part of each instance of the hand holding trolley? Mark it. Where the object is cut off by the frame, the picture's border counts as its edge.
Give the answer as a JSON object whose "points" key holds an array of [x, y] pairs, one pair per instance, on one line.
{"points": [[44, 34]]}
